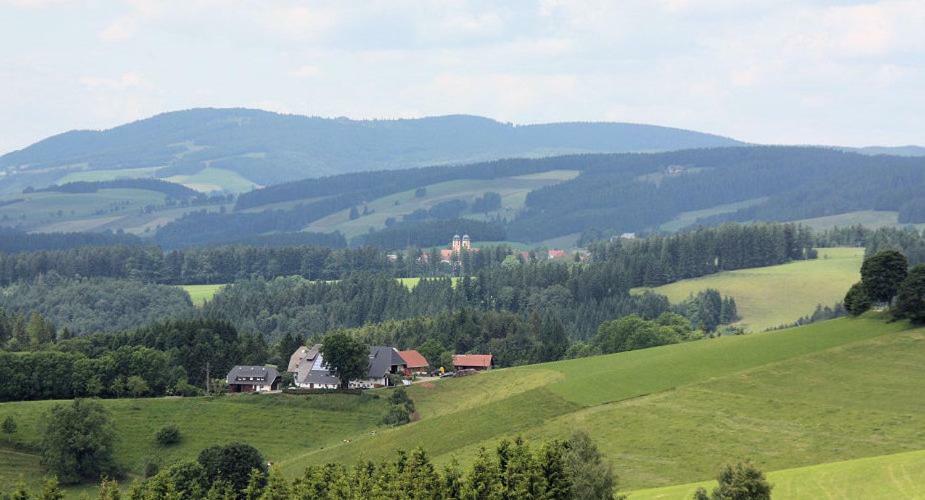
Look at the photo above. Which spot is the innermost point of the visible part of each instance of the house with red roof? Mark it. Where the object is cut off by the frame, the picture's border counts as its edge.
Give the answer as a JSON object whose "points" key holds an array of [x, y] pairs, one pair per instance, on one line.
{"points": [[415, 363], [472, 361]]}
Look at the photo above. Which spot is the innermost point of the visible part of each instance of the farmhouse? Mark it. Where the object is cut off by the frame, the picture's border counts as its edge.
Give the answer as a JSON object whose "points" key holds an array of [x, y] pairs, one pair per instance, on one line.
{"points": [[415, 363], [472, 361], [383, 361], [252, 379], [303, 356]]}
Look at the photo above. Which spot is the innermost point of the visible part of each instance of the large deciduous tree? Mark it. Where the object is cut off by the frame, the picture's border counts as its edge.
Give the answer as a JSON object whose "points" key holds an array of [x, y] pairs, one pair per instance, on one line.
{"points": [[346, 357], [882, 274], [77, 442]]}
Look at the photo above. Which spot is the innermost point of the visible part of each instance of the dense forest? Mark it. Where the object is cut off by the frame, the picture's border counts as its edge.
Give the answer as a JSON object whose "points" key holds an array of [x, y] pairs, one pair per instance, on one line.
{"points": [[227, 264], [168, 357], [88, 305], [14, 241]]}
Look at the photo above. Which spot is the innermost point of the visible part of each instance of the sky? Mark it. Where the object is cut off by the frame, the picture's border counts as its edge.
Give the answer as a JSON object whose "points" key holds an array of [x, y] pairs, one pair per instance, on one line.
{"points": [[766, 71]]}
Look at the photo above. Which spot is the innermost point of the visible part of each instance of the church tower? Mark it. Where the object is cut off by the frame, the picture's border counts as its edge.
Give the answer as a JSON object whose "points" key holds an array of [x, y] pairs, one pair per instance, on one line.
{"points": [[457, 244], [466, 244]]}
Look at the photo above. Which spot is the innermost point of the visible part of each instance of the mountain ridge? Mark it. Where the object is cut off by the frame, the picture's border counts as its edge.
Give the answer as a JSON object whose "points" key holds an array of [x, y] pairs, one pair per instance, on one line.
{"points": [[269, 148]]}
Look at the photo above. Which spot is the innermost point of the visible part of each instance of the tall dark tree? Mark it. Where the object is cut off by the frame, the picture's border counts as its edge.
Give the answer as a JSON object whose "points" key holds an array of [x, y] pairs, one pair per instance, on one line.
{"points": [[910, 300], [346, 358], [882, 274], [856, 300]]}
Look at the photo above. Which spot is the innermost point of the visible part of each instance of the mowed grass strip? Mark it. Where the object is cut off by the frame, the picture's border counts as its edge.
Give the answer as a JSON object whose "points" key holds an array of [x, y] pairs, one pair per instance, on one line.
{"points": [[887, 477], [776, 295]]}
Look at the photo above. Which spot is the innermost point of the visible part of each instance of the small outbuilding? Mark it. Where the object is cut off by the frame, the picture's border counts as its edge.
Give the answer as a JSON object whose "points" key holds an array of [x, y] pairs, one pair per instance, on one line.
{"points": [[415, 363], [244, 378], [472, 361]]}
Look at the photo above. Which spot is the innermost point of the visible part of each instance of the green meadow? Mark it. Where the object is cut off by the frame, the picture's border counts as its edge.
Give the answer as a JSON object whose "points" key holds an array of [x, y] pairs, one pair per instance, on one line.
{"points": [[874, 478], [826, 393], [199, 294], [771, 296]]}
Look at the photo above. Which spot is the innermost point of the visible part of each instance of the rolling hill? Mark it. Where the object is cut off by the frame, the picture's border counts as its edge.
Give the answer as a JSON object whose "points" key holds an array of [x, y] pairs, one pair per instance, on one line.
{"points": [[828, 392], [235, 149]]}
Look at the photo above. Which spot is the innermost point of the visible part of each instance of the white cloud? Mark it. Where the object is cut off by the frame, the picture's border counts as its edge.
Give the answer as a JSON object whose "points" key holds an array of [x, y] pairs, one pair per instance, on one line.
{"points": [[121, 29], [306, 71], [124, 81]]}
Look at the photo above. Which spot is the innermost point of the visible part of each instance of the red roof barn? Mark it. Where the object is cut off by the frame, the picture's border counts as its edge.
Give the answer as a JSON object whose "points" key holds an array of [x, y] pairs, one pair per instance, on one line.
{"points": [[414, 362], [472, 361]]}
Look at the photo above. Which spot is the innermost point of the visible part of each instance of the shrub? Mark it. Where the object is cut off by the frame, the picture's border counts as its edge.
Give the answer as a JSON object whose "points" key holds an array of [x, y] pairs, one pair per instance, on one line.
{"points": [[9, 426], [168, 435], [151, 469]]}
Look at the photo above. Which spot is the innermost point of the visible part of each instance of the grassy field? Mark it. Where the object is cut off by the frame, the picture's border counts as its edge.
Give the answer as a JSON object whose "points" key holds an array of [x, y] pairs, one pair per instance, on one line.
{"points": [[770, 296], [871, 219], [685, 219], [280, 425], [840, 390], [513, 191], [199, 294], [106, 209], [885, 477], [107, 175], [214, 179]]}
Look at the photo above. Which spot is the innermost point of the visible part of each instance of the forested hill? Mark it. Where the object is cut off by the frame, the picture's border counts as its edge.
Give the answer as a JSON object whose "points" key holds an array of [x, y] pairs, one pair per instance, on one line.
{"points": [[602, 193], [268, 148]]}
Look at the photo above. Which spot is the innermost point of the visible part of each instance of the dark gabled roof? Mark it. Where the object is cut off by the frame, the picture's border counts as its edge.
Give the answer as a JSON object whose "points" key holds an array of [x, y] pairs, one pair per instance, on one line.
{"points": [[321, 377], [382, 359], [258, 375]]}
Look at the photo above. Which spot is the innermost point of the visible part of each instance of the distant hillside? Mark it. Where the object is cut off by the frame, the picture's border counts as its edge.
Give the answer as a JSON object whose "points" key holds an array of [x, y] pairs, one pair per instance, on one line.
{"points": [[235, 148], [601, 194], [891, 150]]}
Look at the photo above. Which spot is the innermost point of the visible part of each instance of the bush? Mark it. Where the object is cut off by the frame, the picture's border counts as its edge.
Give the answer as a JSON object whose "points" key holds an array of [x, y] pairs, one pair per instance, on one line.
{"points": [[742, 481], [168, 435], [151, 469], [9, 426]]}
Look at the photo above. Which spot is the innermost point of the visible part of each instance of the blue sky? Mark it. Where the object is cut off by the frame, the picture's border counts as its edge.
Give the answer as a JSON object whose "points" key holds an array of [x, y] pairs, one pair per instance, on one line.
{"points": [[809, 72]]}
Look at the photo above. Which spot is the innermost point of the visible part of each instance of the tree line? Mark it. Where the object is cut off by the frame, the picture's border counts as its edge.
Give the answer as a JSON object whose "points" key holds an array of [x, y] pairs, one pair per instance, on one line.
{"points": [[178, 357], [888, 281], [226, 264], [658, 260]]}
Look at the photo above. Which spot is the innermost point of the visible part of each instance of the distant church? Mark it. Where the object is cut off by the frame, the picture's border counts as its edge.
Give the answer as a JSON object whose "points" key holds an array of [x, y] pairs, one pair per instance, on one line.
{"points": [[457, 246]]}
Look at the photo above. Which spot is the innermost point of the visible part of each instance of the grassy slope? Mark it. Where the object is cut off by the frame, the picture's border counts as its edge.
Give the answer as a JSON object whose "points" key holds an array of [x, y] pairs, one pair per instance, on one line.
{"points": [[279, 425], [90, 211], [214, 179], [900, 475], [685, 219], [513, 191], [677, 406], [775, 295]]}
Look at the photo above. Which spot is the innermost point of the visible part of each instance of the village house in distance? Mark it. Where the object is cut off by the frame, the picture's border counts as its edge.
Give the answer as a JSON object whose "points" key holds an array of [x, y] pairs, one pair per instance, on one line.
{"points": [[244, 378]]}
